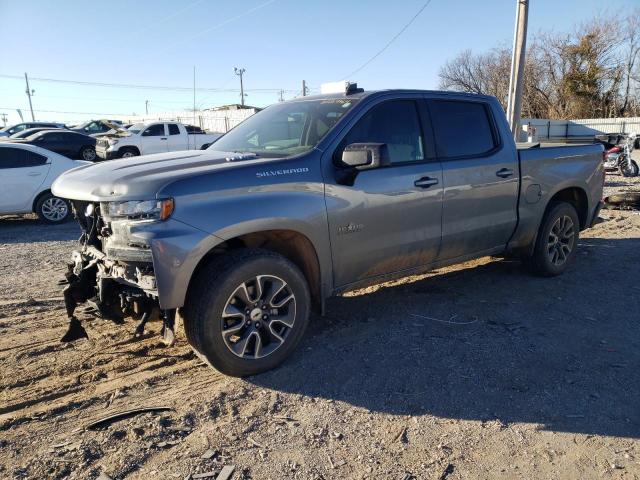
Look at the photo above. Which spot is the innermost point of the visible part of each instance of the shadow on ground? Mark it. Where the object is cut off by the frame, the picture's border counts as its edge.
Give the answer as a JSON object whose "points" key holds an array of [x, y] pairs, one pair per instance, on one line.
{"points": [[562, 352], [29, 229]]}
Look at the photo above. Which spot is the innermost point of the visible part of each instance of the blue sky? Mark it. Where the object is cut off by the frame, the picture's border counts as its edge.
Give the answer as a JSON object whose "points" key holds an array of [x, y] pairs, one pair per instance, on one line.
{"points": [[278, 42]]}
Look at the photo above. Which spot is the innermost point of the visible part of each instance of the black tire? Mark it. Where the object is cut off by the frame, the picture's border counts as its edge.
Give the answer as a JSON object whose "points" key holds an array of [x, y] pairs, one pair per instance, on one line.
{"points": [[629, 169], [52, 210], [213, 291], [541, 262], [127, 152], [88, 153]]}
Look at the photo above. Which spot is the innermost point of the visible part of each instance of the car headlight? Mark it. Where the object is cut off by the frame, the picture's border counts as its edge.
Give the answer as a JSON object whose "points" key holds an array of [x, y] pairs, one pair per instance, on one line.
{"points": [[112, 141], [139, 209]]}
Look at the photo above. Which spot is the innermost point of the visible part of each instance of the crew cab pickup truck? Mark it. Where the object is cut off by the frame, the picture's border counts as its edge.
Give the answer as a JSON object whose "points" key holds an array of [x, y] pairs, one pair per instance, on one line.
{"points": [[311, 198], [151, 137]]}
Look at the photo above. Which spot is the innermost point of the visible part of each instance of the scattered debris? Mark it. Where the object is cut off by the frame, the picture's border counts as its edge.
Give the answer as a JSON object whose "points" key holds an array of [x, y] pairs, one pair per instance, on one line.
{"points": [[104, 476], [203, 475], [209, 454], [447, 471], [254, 443], [401, 435], [122, 415], [623, 201], [226, 472]]}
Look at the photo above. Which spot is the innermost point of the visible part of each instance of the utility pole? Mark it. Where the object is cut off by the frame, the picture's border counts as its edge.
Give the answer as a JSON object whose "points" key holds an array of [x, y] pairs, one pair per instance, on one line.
{"points": [[514, 104], [4, 119], [29, 93], [240, 72], [194, 99], [146, 106], [304, 88], [280, 96]]}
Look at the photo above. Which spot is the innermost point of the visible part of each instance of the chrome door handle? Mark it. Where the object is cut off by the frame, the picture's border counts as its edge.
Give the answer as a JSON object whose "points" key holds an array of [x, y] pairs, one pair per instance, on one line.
{"points": [[163, 138], [33, 174], [504, 172], [425, 182]]}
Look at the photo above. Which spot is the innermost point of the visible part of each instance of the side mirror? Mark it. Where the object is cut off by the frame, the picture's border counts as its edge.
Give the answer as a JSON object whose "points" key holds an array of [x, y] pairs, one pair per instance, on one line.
{"points": [[365, 156]]}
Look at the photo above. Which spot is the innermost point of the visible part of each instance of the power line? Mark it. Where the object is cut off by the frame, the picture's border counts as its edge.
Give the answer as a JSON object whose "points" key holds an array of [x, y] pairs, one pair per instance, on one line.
{"points": [[148, 87], [395, 37]]}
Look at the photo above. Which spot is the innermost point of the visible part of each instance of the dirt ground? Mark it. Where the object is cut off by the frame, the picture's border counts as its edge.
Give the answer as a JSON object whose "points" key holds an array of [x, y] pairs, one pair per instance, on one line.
{"points": [[476, 371]]}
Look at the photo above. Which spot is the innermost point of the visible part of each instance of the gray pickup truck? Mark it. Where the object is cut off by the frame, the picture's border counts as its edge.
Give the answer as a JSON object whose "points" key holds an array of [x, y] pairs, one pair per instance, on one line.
{"points": [[311, 198]]}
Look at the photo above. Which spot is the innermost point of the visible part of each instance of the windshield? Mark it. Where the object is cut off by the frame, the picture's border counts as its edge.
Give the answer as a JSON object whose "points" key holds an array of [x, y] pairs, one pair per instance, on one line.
{"points": [[285, 129]]}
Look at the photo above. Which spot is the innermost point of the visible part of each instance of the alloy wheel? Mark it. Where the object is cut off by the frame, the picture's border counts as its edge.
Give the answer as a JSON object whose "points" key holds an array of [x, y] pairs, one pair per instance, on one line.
{"points": [[258, 317], [89, 154], [561, 239], [54, 209]]}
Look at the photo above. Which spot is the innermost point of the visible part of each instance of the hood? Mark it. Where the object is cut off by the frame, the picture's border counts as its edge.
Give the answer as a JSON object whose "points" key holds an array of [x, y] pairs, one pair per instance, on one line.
{"points": [[141, 178]]}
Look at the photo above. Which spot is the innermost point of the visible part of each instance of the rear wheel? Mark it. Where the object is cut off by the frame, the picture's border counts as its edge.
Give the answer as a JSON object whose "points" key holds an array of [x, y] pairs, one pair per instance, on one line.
{"points": [[52, 209], [246, 311], [556, 241]]}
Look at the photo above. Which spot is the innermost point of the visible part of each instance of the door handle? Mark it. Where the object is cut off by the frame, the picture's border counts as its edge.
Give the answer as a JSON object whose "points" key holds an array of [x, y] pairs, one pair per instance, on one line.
{"points": [[163, 138], [425, 182], [504, 172], [33, 174]]}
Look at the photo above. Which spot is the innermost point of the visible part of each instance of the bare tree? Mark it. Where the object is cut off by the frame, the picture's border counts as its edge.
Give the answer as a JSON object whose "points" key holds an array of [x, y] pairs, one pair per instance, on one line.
{"points": [[590, 72]]}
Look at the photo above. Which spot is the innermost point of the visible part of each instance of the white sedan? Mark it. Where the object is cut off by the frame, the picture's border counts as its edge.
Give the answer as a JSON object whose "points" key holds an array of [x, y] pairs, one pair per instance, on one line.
{"points": [[26, 175]]}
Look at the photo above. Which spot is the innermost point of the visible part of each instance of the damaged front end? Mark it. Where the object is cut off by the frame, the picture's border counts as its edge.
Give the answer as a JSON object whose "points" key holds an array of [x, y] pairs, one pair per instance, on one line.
{"points": [[113, 270]]}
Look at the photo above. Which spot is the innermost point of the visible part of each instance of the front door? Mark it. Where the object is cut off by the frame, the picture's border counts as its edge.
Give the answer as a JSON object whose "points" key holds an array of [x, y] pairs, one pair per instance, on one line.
{"points": [[21, 174], [154, 139], [480, 177], [389, 219]]}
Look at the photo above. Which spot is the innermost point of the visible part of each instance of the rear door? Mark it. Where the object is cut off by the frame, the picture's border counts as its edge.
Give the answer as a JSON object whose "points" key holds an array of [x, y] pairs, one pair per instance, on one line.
{"points": [[176, 140], [21, 174], [154, 139], [389, 219], [480, 177]]}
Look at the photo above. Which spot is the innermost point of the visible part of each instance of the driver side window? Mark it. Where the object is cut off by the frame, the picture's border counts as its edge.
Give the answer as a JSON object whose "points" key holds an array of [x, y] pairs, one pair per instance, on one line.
{"points": [[394, 123], [154, 131]]}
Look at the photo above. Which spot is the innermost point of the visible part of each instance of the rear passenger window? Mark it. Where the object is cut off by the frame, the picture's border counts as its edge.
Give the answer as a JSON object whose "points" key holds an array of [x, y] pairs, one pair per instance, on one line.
{"points": [[20, 158], [462, 129], [394, 123], [173, 129]]}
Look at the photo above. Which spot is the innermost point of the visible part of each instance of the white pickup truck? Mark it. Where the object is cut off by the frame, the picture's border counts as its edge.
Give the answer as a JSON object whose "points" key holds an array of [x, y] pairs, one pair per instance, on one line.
{"points": [[153, 137]]}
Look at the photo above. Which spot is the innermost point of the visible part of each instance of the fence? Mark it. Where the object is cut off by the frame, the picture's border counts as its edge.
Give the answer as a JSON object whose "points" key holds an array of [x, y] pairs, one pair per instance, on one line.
{"points": [[220, 121], [588, 127]]}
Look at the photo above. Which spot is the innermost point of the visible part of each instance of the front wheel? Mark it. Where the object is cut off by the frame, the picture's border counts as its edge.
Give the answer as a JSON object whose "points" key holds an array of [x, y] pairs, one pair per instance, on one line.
{"points": [[52, 209], [556, 241], [88, 154], [628, 168], [246, 311]]}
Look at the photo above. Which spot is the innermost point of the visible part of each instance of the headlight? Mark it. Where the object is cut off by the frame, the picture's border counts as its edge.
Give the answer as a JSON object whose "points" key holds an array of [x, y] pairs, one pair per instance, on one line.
{"points": [[112, 141], [139, 209]]}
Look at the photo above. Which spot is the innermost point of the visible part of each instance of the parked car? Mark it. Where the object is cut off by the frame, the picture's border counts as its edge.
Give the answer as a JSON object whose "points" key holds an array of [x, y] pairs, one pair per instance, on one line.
{"points": [[313, 197], [96, 127], [25, 133], [26, 174], [7, 131], [65, 142], [152, 137]]}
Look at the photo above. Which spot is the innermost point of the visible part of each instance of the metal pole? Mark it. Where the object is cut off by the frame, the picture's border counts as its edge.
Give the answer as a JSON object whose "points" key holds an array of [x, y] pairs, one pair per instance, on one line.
{"points": [[146, 106], [29, 93], [240, 72], [514, 107], [304, 88]]}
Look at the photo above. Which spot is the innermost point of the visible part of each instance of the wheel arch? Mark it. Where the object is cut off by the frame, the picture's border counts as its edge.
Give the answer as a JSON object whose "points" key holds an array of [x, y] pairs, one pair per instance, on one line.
{"points": [[37, 198], [291, 244], [575, 196], [123, 149]]}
